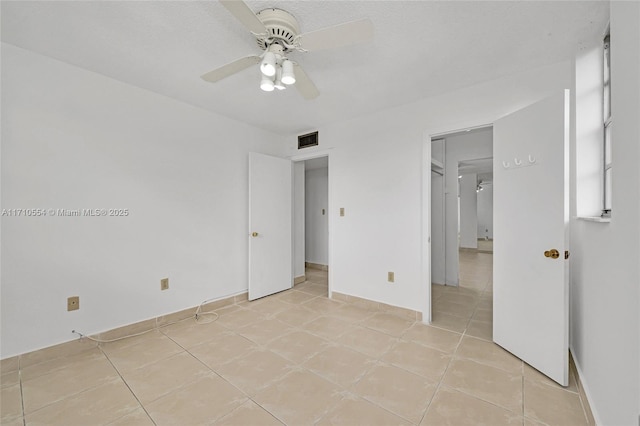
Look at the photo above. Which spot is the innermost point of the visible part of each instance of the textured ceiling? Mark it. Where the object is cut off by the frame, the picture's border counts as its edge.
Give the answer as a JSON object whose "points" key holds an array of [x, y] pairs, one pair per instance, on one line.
{"points": [[420, 48]]}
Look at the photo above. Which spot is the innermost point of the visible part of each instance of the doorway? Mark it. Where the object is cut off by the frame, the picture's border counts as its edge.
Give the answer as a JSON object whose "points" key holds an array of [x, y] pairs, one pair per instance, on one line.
{"points": [[311, 223], [461, 267], [531, 216], [475, 180]]}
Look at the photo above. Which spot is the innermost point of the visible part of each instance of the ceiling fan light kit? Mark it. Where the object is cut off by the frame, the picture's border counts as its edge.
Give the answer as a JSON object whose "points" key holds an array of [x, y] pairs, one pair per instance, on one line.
{"points": [[267, 84], [278, 83], [277, 33], [277, 70], [268, 65], [288, 76]]}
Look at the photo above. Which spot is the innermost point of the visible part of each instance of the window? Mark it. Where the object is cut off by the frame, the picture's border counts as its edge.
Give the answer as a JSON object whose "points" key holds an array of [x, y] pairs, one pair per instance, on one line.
{"points": [[606, 103]]}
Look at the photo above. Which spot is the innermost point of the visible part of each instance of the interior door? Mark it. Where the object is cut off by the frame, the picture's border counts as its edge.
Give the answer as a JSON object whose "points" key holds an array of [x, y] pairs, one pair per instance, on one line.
{"points": [[531, 218], [270, 229]]}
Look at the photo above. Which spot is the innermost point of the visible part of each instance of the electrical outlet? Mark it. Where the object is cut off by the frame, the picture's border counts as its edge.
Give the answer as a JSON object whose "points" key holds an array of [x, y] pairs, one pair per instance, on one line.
{"points": [[391, 277], [341, 211], [164, 284], [73, 303]]}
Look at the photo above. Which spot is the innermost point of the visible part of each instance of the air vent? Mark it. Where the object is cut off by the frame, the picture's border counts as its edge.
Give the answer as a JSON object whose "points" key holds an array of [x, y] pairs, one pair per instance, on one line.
{"points": [[310, 139]]}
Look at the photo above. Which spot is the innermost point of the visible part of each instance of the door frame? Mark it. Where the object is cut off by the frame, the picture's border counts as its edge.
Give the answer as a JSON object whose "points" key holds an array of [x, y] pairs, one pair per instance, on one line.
{"points": [[428, 135], [310, 156]]}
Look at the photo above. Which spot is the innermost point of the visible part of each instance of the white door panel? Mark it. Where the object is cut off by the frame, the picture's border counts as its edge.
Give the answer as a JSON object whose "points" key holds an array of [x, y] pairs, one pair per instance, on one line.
{"points": [[270, 225], [530, 316]]}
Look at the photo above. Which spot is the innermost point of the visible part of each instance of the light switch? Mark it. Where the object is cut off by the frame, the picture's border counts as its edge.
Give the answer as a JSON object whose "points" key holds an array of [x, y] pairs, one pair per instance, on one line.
{"points": [[322, 212], [341, 211]]}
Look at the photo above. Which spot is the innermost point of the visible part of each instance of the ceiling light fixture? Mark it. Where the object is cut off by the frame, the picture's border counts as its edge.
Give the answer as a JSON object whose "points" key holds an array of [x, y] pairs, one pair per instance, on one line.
{"points": [[268, 64], [278, 83], [288, 77], [267, 84], [277, 70]]}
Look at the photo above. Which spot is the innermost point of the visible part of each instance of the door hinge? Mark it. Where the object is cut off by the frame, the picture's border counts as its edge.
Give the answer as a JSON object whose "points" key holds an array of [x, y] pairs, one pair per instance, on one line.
{"points": [[566, 254]]}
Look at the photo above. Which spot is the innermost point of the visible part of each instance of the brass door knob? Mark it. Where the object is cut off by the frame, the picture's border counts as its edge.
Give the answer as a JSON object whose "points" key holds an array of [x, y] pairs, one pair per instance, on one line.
{"points": [[553, 253], [254, 234]]}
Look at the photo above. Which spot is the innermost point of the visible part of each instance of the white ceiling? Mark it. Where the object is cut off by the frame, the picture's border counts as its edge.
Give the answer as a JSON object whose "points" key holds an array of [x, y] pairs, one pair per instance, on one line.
{"points": [[479, 166], [421, 48]]}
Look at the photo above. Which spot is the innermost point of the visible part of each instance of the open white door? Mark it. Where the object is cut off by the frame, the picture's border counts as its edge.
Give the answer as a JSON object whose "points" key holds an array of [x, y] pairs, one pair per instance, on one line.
{"points": [[269, 225], [531, 217]]}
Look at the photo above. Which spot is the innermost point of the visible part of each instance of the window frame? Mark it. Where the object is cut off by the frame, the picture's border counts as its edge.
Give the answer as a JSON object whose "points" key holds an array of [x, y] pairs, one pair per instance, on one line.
{"points": [[607, 169]]}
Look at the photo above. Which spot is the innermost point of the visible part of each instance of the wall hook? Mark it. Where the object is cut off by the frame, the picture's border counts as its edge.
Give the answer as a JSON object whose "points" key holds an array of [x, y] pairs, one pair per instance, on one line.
{"points": [[532, 159], [517, 162], [505, 164]]}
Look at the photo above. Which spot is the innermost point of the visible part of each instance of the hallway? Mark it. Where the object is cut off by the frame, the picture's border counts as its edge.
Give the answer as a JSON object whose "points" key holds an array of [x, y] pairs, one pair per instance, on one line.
{"points": [[469, 307]]}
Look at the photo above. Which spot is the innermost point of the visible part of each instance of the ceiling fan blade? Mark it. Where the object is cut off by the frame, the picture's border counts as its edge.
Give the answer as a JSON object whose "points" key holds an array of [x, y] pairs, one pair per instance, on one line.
{"points": [[338, 35], [305, 86], [230, 69], [245, 15]]}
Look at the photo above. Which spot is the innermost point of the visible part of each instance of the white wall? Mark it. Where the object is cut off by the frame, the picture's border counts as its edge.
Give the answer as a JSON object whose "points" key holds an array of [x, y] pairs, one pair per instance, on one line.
{"points": [[468, 211], [460, 147], [316, 223], [73, 139], [605, 299], [377, 176], [298, 219], [485, 212]]}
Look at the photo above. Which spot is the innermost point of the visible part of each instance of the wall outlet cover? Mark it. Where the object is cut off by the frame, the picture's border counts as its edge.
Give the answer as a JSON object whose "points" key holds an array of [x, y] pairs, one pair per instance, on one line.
{"points": [[73, 303], [391, 277], [164, 284]]}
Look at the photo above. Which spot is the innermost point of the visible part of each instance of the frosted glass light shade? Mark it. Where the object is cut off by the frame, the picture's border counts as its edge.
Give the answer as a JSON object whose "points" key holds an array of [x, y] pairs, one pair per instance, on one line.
{"points": [[288, 77], [268, 65], [278, 84], [266, 84]]}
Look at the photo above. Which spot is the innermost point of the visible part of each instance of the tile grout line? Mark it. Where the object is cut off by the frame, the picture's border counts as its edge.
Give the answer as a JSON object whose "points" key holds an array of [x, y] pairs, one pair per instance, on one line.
{"points": [[248, 396], [24, 416], [57, 400], [453, 356], [439, 385], [522, 384], [128, 387], [502, 407], [376, 362], [473, 395]]}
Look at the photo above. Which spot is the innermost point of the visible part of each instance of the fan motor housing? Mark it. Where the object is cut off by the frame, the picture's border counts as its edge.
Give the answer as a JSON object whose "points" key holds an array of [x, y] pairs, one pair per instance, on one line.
{"points": [[281, 26]]}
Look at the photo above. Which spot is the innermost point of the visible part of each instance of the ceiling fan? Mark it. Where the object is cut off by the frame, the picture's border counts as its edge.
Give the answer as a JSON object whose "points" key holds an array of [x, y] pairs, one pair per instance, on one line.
{"points": [[277, 34]]}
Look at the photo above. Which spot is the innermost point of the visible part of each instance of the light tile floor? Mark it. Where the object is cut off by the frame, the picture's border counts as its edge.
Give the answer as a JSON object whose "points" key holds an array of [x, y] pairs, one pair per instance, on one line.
{"points": [[298, 358], [485, 246]]}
